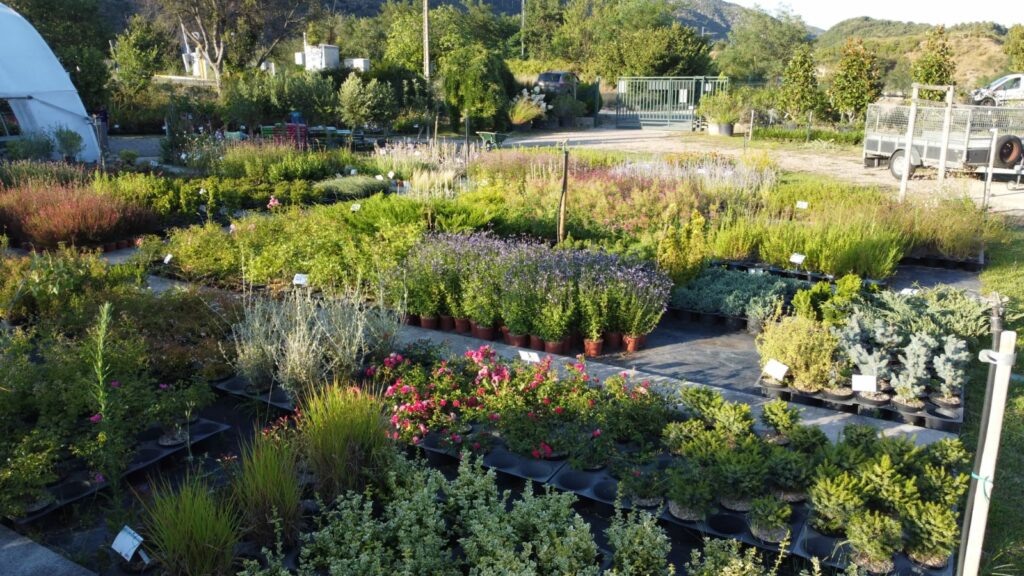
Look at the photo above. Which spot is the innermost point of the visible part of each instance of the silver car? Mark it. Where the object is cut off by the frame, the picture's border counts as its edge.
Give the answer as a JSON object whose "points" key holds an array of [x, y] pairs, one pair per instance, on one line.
{"points": [[1006, 90]]}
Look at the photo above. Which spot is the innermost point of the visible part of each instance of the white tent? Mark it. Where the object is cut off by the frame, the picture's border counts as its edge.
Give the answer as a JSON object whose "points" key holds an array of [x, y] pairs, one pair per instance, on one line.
{"points": [[35, 87]]}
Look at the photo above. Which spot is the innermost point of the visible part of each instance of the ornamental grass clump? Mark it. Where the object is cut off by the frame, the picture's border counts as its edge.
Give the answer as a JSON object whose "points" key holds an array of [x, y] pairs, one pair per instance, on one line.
{"points": [[267, 487], [343, 437], [191, 530]]}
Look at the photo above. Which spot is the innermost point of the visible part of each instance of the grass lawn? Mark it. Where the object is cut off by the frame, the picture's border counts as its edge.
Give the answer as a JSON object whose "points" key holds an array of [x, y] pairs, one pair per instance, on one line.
{"points": [[1004, 538]]}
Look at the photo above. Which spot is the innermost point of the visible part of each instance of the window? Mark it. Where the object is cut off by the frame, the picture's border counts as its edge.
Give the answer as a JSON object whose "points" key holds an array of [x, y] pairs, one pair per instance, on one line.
{"points": [[8, 121], [1011, 84]]}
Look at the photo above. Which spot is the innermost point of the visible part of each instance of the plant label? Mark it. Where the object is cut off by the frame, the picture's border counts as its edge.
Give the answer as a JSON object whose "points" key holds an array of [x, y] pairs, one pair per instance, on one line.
{"points": [[379, 177], [755, 271], [909, 291], [127, 543], [775, 369], [802, 205], [865, 383], [391, 175], [531, 357], [168, 258], [797, 258], [356, 207], [352, 172], [301, 280]]}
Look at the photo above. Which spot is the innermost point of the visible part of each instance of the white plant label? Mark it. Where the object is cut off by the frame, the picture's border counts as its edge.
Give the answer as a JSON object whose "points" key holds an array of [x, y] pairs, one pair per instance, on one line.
{"points": [[802, 205], [352, 172], [301, 280], [356, 207], [909, 291], [379, 177], [531, 357], [797, 258], [127, 543], [391, 175], [168, 258], [755, 271], [865, 383], [775, 369]]}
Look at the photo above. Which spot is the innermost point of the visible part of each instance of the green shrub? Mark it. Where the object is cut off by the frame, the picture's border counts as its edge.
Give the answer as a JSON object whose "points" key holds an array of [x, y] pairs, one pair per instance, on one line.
{"points": [[778, 134], [835, 501], [779, 416], [640, 546], [31, 146], [805, 346], [267, 488], [932, 531], [69, 143], [874, 538], [350, 187]]}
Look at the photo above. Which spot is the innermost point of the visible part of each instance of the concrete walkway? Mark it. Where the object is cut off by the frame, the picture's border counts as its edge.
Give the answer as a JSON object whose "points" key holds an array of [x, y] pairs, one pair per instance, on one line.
{"points": [[20, 556], [830, 421]]}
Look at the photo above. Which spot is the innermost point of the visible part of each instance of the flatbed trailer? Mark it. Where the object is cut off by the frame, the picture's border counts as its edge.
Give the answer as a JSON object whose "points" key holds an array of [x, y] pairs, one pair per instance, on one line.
{"points": [[968, 142]]}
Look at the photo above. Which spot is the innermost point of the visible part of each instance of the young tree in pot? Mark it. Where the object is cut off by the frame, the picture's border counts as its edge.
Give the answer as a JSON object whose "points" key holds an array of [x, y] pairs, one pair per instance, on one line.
{"points": [[644, 488], [909, 385], [790, 473], [932, 533], [950, 367], [780, 418], [834, 500], [690, 496], [721, 112], [769, 519], [874, 538], [741, 474]]}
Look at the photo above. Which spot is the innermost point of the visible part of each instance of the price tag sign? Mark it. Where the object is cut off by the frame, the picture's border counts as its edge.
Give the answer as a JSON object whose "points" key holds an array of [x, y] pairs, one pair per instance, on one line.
{"points": [[775, 369], [531, 357], [797, 258], [301, 280], [909, 291], [865, 383], [168, 258], [127, 543], [352, 172], [356, 207], [802, 205]]}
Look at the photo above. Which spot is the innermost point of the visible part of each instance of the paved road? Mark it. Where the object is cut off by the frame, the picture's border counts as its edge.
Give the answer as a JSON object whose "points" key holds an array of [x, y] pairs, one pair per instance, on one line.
{"points": [[20, 556]]}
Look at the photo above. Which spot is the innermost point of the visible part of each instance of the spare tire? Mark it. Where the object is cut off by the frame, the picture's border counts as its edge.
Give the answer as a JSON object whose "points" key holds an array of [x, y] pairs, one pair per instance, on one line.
{"points": [[1008, 151]]}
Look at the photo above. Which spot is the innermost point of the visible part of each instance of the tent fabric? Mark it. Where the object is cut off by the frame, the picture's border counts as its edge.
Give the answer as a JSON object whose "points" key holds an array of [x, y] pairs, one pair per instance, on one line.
{"points": [[37, 87]]}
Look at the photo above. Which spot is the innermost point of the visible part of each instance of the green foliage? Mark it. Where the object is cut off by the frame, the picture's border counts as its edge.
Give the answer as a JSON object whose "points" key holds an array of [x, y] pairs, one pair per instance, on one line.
{"points": [[475, 81], [1013, 46], [932, 531], [935, 66], [139, 52], [780, 416], [639, 544], [856, 81], [835, 499], [267, 488], [343, 438], [805, 346], [354, 102], [350, 187], [874, 536], [724, 558], [770, 513], [800, 84], [30, 146], [69, 142], [191, 530], [719, 108], [760, 45], [682, 253]]}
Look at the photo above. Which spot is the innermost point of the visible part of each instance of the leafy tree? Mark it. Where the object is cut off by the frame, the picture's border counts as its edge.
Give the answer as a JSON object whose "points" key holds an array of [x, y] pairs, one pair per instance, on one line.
{"points": [[382, 103], [673, 50], [247, 99], [857, 80], [760, 45], [354, 102], [474, 81], [310, 93], [1014, 46], [800, 83], [935, 65], [78, 35], [543, 19], [138, 53]]}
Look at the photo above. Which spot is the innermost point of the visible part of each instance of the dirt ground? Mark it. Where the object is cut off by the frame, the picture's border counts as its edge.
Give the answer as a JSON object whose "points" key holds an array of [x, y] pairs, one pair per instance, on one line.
{"points": [[844, 163]]}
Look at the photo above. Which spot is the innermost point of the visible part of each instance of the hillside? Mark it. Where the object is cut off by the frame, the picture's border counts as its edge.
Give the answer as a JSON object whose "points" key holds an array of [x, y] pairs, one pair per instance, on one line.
{"points": [[715, 17], [977, 49]]}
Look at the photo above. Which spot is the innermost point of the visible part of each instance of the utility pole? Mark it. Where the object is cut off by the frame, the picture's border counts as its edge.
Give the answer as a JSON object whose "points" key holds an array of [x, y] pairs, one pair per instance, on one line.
{"points": [[522, 30], [426, 40]]}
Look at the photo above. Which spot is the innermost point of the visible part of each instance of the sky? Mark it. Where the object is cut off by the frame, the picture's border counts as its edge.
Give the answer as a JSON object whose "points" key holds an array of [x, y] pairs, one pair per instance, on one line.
{"points": [[825, 13]]}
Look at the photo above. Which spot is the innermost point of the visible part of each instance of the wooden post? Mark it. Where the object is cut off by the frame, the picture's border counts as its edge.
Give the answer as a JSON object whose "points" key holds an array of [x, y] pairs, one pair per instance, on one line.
{"points": [[976, 514], [908, 145], [991, 166], [946, 122], [565, 191]]}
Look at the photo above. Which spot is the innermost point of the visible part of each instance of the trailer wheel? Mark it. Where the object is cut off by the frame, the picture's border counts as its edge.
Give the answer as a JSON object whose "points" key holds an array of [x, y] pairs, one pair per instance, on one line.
{"points": [[896, 165], [1008, 151]]}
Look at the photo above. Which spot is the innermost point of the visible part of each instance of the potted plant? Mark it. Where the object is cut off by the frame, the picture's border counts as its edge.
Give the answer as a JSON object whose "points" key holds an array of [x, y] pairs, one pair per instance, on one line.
{"points": [[592, 450], [556, 307], [690, 495], [760, 310], [804, 345], [874, 364], [780, 418], [567, 108], [256, 341], [790, 474], [176, 406], [834, 500], [769, 519], [741, 474], [932, 533], [721, 111], [642, 298], [644, 488], [950, 367], [874, 539], [594, 304], [909, 385], [25, 474], [518, 306], [481, 297]]}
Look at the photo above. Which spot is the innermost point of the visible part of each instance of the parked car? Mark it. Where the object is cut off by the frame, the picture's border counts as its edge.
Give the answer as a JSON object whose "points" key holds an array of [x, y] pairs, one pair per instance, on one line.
{"points": [[558, 82], [1006, 90]]}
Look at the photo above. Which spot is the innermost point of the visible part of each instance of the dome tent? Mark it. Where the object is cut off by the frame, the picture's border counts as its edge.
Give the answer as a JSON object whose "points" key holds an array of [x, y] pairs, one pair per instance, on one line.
{"points": [[36, 88]]}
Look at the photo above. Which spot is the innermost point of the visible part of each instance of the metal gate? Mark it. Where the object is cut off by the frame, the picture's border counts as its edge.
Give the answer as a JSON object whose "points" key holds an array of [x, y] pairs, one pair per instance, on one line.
{"points": [[663, 102]]}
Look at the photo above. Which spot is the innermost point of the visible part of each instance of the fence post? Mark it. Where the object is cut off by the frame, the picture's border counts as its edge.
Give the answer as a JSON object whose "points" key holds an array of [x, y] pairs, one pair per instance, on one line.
{"points": [[563, 199], [976, 513], [991, 166], [946, 122], [810, 118], [908, 149]]}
